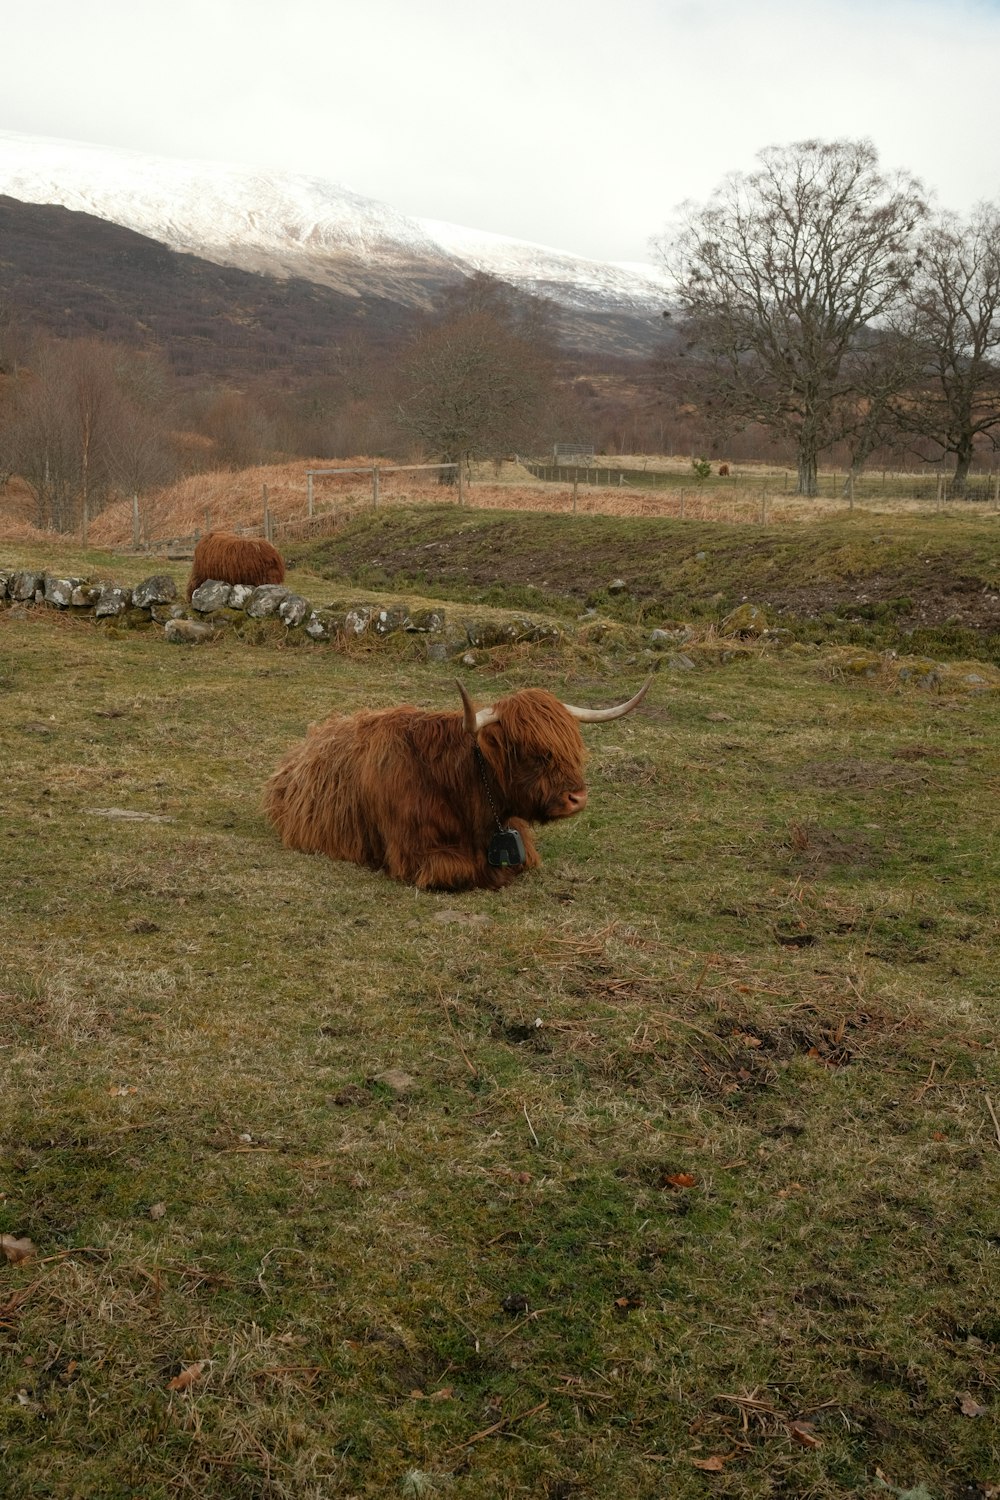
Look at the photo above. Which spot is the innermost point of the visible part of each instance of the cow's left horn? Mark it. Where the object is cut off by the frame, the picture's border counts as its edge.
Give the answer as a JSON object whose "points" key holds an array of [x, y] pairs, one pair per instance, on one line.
{"points": [[475, 721], [598, 715]]}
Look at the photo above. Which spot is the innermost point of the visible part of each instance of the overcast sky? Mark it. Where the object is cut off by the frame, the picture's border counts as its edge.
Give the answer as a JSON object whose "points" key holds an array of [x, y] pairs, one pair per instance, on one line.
{"points": [[567, 122]]}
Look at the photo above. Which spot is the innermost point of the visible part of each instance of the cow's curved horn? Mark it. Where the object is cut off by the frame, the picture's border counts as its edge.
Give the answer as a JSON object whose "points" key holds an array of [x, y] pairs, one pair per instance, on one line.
{"points": [[475, 721], [599, 715]]}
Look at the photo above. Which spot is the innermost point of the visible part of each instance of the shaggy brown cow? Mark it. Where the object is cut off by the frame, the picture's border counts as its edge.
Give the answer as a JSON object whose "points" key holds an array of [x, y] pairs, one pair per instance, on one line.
{"points": [[426, 796], [228, 558], [724, 471]]}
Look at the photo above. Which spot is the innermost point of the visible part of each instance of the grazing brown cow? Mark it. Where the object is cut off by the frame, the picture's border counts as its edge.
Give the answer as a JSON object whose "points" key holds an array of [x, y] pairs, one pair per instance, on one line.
{"points": [[724, 471], [438, 800], [234, 559]]}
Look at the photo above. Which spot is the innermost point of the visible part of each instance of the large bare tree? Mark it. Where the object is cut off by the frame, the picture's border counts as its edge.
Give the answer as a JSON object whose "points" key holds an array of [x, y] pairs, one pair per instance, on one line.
{"points": [[777, 275], [952, 320], [477, 380]]}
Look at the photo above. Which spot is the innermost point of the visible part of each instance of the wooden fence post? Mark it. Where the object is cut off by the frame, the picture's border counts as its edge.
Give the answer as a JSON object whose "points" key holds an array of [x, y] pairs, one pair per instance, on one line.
{"points": [[461, 491], [374, 485], [576, 486], [135, 523], [850, 491], [309, 494]]}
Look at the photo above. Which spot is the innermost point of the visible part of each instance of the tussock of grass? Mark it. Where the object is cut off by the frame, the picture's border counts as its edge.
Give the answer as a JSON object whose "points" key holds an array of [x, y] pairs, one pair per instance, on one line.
{"points": [[284, 1123]]}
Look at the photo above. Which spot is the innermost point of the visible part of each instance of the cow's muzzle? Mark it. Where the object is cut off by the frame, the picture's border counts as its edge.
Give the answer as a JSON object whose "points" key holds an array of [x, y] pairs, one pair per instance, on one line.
{"points": [[568, 804]]}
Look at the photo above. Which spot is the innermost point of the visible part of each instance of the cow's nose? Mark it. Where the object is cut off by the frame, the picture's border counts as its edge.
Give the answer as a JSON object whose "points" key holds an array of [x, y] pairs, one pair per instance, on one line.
{"points": [[576, 801]]}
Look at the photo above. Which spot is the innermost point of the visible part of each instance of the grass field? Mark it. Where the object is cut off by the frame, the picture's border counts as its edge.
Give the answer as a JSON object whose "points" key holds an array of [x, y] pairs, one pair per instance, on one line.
{"points": [[670, 1171]]}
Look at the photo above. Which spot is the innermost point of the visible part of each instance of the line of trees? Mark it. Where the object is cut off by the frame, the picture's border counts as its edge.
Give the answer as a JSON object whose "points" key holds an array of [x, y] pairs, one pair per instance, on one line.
{"points": [[82, 420], [820, 306], [820, 299]]}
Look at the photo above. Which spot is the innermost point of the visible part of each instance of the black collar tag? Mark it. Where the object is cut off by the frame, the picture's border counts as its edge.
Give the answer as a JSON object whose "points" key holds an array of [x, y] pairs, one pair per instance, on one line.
{"points": [[506, 848]]}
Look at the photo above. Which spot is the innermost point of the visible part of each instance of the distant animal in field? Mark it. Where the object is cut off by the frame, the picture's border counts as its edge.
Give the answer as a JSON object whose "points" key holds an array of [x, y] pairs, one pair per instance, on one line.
{"points": [[228, 558], [724, 471], [439, 800]]}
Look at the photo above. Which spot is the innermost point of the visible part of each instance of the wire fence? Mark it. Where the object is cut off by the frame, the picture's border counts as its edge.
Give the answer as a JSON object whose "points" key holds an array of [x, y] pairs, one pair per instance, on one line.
{"points": [[337, 494]]}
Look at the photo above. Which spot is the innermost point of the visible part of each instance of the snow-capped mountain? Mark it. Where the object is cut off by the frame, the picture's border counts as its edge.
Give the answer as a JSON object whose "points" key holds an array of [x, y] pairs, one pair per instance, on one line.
{"points": [[285, 225]]}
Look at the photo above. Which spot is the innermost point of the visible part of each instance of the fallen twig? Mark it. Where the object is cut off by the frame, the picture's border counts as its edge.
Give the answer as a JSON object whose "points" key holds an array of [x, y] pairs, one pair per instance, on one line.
{"points": [[993, 1116], [477, 1437]]}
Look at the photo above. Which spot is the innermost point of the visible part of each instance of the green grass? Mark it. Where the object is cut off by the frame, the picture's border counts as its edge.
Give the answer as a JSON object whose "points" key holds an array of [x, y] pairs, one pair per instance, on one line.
{"points": [[923, 584], [763, 959]]}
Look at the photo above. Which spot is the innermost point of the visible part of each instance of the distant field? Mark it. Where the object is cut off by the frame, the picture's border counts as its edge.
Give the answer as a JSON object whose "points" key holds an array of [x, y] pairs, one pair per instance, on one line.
{"points": [[625, 486], [670, 1171]]}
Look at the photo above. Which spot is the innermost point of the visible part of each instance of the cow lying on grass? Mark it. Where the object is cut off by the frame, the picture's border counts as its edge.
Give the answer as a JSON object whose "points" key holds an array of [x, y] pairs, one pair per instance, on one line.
{"points": [[438, 800], [228, 558]]}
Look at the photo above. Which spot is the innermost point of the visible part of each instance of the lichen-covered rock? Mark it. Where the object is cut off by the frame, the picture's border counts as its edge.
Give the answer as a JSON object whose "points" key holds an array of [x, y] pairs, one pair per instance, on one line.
{"points": [[59, 591], [421, 621], [294, 610], [187, 632], [486, 633], [746, 619], [536, 632], [161, 613], [86, 596], [210, 595], [677, 635], [975, 682], [241, 593], [860, 664], [388, 621], [159, 589], [323, 625], [134, 619], [5, 576], [921, 673], [680, 663], [446, 645], [266, 600], [356, 621], [25, 585], [113, 600]]}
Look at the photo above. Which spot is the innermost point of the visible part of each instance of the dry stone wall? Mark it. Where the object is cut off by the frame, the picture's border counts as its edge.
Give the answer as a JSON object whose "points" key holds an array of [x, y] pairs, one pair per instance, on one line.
{"points": [[155, 603]]}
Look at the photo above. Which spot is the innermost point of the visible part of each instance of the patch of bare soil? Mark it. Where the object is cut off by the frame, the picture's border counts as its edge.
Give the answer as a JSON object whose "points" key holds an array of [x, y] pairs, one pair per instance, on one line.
{"points": [[864, 775], [933, 596]]}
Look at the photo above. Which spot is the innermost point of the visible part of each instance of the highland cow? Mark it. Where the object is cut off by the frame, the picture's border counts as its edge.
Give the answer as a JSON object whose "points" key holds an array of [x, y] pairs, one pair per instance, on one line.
{"points": [[442, 801], [227, 558]]}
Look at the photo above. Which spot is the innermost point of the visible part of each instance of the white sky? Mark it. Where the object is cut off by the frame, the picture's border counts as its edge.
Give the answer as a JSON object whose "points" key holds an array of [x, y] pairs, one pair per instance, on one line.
{"points": [[575, 124]]}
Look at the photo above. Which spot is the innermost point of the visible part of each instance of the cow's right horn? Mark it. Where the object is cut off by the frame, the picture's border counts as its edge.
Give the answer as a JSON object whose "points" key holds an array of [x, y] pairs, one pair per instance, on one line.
{"points": [[475, 720], [599, 715]]}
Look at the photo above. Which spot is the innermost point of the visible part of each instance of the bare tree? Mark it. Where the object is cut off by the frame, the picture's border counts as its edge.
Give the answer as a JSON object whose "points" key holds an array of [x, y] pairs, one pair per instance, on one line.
{"points": [[475, 382], [952, 324], [880, 371], [85, 420], [776, 276]]}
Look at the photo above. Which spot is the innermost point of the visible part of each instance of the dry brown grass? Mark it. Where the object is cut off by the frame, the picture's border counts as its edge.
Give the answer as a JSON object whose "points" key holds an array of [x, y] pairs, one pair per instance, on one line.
{"points": [[236, 498]]}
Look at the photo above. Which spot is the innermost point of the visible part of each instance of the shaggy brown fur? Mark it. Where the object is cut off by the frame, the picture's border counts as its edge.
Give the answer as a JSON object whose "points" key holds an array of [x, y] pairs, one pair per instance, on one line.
{"points": [[227, 558], [400, 789]]}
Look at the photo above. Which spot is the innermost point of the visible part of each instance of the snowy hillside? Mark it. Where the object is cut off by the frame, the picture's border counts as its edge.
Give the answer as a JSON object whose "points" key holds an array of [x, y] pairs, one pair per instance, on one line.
{"points": [[289, 225], [570, 279]]}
